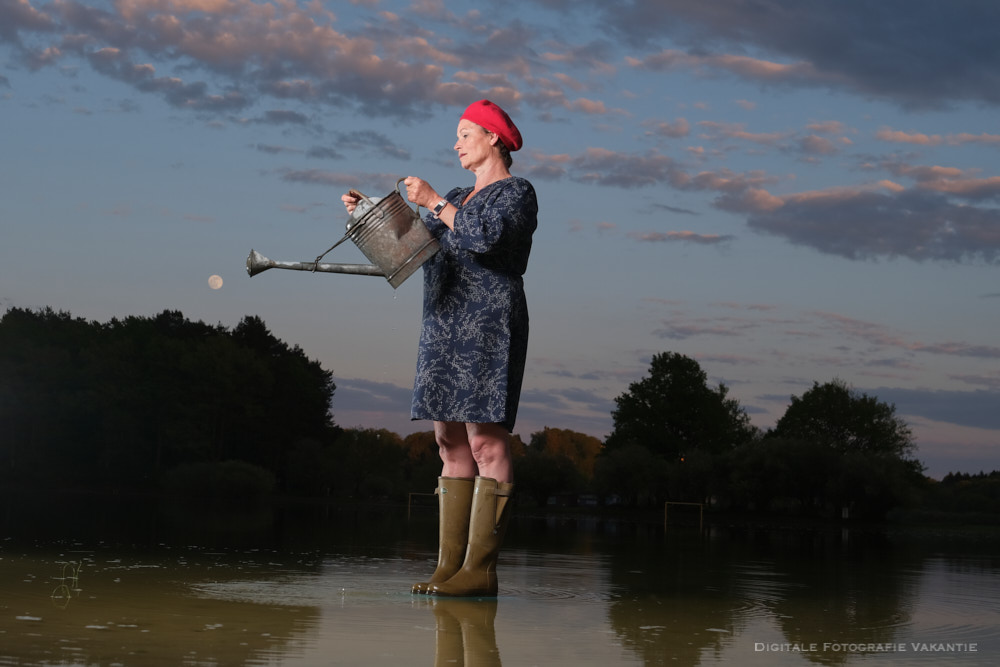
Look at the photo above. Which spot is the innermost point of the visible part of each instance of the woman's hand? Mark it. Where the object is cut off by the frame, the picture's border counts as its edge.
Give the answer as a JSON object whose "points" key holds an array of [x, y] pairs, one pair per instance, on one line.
{"points": [[350, 201], [420, 192]]}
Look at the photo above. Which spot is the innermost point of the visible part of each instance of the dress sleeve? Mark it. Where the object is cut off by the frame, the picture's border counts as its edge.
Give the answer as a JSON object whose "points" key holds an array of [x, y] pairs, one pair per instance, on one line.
{"points": [[491, 219]]}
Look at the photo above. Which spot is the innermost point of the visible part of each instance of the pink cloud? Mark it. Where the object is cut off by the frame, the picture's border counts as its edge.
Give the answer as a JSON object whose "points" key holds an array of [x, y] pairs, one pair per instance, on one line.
{"points": [[898, 136], [679, 128], [738, 131]]}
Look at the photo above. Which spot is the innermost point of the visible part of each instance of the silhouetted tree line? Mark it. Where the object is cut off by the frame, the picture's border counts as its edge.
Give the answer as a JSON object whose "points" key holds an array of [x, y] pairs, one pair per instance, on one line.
{"points": [[962, 492], [86, 403], [166, 404], [834, 452]]}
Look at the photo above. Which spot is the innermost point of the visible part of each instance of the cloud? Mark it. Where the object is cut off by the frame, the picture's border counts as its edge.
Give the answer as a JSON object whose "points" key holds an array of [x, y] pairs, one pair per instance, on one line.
{"points": [[602, 166], [274, 150], [718, 130], [679, 128], [283, 117], [742, 66], [320, 177], [816, 145], [367, 140], [827, 127], [863, 224], [982, 139], [337, 179], [943, 56], [882, 219], [810, 145], [20, 16], [232, 53], [672, 209], [579, 409], [964, 408], [952, 139], [878, 335], [594, 56], [359, 141], [324, 153], [356, 394], [897, 136], [728, 327], [684, 236]]}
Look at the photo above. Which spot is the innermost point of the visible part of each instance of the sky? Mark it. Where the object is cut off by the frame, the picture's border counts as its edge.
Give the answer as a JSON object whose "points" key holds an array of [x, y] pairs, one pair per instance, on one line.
{"points": [[786, 192]]}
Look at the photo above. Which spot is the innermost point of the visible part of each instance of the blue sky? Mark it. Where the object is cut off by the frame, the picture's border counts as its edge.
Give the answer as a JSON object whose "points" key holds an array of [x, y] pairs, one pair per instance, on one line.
{"points": [[786, 192]]}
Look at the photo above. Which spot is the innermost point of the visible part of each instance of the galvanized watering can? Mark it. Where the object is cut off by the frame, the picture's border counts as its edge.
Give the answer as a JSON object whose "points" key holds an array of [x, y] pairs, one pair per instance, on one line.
{"points": [[389, 233]]}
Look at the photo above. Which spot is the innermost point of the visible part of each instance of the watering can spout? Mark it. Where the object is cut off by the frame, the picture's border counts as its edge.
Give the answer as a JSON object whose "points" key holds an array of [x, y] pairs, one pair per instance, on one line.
{"points": [[257, 263]]}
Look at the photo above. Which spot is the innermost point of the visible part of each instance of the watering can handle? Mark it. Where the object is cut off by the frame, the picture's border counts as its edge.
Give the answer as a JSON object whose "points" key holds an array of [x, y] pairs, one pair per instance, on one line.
{"points": [[415, 210]]}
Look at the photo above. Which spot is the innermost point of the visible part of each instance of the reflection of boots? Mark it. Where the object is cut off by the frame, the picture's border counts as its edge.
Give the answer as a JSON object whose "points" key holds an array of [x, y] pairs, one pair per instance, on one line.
{"points": [[454, 506], [448, 647], [477, 643], [487, 525]]}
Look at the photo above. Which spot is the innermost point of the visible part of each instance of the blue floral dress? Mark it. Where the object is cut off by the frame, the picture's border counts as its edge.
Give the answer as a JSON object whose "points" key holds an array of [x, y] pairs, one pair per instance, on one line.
{"points": [[474, 339]]}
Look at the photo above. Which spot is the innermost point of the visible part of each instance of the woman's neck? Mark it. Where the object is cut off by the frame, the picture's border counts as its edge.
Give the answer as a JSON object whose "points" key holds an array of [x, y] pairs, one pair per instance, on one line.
{"points": [[490, 173]]}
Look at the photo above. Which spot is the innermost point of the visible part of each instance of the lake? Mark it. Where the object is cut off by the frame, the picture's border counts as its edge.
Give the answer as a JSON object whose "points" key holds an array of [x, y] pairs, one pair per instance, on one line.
{"points": [[137, 581]]}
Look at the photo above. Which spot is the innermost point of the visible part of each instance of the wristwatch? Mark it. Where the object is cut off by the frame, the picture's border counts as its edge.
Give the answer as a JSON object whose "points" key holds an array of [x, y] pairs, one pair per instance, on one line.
{"points": [[438, 207]]}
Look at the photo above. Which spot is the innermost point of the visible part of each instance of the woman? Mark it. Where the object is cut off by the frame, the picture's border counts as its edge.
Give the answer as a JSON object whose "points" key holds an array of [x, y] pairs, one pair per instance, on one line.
{"points": [[473, 345]]}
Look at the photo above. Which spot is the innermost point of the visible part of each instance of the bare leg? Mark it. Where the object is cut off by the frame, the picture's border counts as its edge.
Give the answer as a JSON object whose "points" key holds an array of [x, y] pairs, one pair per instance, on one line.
{"points": [[455, 450], [490, 447]]}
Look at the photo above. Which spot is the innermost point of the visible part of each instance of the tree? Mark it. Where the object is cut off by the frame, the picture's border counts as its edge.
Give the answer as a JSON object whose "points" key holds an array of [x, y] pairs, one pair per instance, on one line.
{"points": [[673, 411], [580, 448], [781, 476], [540, 474], [370, 464], [633, 473], [839, 417], [869, 467]]}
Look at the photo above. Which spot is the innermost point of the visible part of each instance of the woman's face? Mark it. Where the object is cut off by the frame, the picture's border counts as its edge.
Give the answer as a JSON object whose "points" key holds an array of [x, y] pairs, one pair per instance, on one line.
{"points": [[474, 145]]}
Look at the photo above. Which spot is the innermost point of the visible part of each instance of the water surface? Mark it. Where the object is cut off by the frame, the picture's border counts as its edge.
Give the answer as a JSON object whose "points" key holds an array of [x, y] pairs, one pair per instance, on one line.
{"points": [[134, 582]]}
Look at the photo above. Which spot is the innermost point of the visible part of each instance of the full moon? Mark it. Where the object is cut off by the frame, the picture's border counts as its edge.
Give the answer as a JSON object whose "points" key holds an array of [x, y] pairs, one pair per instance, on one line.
{"points": [[215, 282]]}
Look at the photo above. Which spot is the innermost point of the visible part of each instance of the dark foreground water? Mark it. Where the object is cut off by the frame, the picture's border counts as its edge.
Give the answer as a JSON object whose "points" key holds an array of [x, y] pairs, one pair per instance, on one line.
{"points": [[128, 581]]}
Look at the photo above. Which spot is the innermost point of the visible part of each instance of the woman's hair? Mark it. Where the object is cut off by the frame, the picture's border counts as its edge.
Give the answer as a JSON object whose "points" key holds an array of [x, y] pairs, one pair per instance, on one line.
{"points": [[505, 153]]}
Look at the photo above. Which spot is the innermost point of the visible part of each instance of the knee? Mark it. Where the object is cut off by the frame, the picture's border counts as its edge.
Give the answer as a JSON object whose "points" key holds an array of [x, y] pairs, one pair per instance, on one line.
{"points": [[489, 448], [450, 440]]}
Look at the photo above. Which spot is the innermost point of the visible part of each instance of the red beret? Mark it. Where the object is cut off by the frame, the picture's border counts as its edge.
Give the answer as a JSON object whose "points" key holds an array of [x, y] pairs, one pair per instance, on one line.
{"points": [[488, 115]]}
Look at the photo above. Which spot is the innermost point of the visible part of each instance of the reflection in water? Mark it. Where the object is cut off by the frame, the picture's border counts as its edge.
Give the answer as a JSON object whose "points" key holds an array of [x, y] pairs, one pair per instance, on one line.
{"points": [[676, 600], [128, 609], [147, 584], [465, 635], [865, 607], [131, 612]]}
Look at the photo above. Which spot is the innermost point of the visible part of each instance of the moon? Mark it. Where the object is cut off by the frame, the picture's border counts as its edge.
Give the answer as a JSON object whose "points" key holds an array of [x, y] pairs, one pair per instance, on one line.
{"points": [[215, 282]]}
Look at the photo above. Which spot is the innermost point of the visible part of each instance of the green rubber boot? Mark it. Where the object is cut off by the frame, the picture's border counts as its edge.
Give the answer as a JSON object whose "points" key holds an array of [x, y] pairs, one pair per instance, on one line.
{"points": [[487, 525], [454, 506]]}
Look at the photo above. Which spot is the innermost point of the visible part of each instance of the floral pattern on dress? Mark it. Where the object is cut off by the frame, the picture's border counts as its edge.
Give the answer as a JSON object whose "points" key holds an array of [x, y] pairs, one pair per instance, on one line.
{"points": [[474, 338]]}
